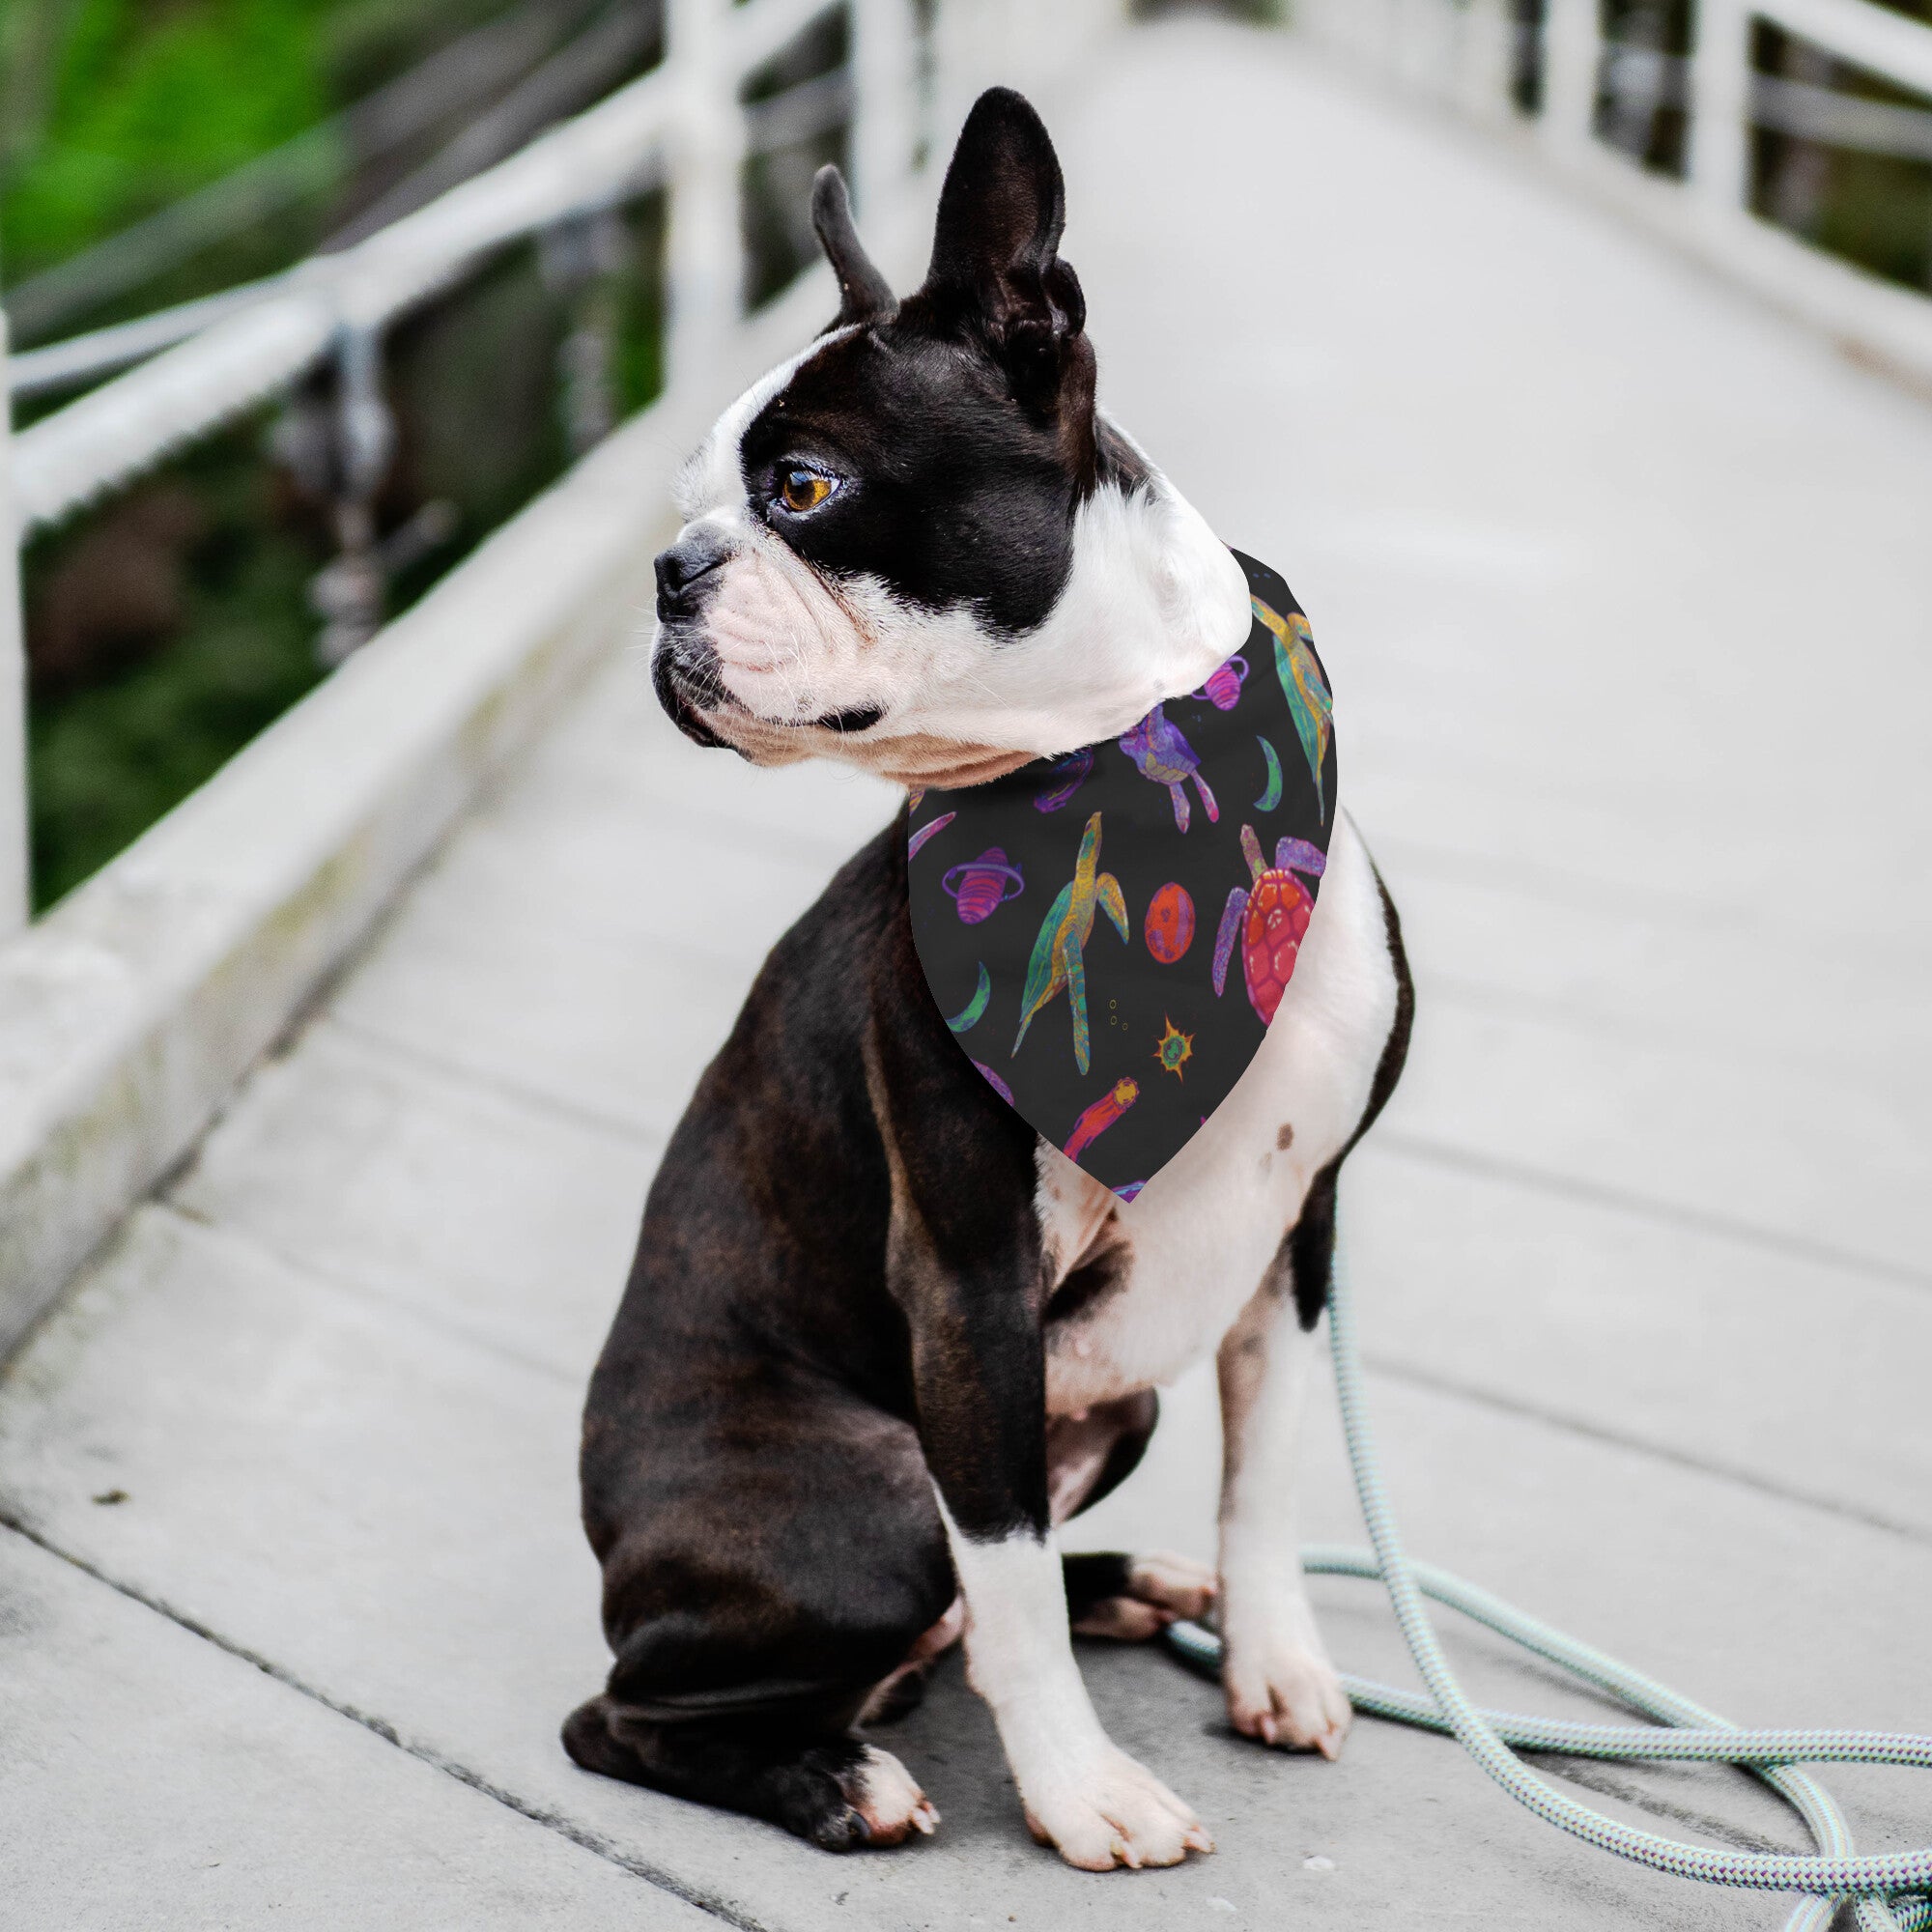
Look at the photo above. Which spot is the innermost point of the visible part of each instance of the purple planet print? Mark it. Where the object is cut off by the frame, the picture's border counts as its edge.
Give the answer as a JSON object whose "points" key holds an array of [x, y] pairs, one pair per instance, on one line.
{"points": [[1223, 689], [981, 886]]}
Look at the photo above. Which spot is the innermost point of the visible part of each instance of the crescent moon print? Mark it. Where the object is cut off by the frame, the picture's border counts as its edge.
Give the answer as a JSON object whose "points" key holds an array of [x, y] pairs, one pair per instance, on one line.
{"points": [[975, 1008], [1109, 933], [926, 833], [1066, 777], [1271, 795]]}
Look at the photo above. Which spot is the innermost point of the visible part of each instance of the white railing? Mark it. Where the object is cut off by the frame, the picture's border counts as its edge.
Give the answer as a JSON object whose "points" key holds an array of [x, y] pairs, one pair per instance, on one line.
{"points": [[681, 127], [1469, 55], [128, 1013]]}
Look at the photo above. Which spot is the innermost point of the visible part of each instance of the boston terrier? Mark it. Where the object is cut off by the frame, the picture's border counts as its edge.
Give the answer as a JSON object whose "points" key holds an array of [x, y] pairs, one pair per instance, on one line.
{"points": [[880, 1338]]}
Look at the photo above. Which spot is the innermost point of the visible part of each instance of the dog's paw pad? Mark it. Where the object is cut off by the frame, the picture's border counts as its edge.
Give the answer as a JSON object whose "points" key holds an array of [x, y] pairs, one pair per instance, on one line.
{"points": [[1289, 1696], [1114, 1812], [887, 1805]]}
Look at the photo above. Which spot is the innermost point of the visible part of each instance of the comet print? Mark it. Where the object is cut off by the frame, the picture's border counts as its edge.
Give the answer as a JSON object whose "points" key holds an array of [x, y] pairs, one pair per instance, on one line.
{"points": [[1101, 1115]]}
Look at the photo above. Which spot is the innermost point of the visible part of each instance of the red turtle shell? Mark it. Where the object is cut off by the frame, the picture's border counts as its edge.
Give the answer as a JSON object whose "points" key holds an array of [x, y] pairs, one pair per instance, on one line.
{"points": [[1278, 913]]}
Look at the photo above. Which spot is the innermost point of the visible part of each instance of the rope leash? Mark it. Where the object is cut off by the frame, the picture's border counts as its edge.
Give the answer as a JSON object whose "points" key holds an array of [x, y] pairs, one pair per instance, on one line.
{"points": [[1880, 1887]]}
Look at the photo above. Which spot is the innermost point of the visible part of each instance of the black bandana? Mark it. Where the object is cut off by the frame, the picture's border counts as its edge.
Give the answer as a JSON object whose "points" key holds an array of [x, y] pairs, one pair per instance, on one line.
{"points": [[1108, 933]]}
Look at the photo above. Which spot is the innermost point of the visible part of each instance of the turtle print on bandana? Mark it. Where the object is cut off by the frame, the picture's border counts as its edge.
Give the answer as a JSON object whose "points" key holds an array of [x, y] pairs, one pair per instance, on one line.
{"points": [[1109, 933]]}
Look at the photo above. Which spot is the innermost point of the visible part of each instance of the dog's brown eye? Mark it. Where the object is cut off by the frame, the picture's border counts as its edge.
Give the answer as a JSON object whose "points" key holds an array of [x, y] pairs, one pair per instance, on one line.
{"points": [[804, 489]]}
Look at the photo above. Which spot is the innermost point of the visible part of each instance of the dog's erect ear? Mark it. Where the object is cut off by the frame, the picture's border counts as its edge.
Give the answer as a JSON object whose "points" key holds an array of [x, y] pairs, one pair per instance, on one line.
{"points": [[994, 256], [863, 292]]}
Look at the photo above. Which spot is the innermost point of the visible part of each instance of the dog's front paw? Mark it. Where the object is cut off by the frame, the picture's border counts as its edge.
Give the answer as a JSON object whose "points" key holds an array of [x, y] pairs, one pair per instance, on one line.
{"points": [[878, 1802], [1283, 1692], [1110, 1811]]}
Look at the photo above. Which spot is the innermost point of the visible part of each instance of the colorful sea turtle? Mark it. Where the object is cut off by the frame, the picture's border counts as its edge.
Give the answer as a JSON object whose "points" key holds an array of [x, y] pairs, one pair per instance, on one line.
{"points": [[1268, 916], [981, 886], [1223, 689], [1308, 701], [1165, 756], [1059, 954]]}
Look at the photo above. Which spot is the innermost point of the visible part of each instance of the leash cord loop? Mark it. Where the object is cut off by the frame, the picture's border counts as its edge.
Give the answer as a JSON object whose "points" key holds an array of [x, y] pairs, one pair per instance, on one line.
{"points": [[1880, 1887]]}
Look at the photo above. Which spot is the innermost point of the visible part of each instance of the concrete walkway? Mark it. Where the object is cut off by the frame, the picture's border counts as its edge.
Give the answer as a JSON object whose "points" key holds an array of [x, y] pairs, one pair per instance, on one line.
{"points": [[1624, 585]]}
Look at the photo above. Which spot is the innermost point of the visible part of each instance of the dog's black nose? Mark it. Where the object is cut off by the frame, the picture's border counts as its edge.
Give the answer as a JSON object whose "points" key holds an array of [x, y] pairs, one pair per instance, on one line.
{"points": [[685, 572]]}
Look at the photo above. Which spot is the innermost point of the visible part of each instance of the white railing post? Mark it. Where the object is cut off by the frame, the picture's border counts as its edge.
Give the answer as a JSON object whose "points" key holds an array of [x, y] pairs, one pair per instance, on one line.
{"points": [[12, 684], [1483, 60], [1721, 107], [882, 113], [1572, 51], [704, 259]]}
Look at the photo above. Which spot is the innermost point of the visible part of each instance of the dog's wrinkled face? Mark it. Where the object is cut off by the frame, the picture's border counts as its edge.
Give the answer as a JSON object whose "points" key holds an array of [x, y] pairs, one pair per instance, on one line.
{"points": [[917, 546]]}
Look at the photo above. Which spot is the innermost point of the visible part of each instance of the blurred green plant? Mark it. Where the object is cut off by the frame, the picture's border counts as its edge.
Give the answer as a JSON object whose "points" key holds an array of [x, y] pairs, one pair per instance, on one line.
{"points": [[110, 109], [170, 624], [198, 556]]}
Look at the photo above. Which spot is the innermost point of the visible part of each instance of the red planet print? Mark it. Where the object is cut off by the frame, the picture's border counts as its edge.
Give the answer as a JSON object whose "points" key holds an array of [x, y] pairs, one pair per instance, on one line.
{"points": [[1170, 922]]}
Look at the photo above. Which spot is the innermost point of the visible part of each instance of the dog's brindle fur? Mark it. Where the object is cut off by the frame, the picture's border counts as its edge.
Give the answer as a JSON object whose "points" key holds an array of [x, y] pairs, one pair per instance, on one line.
{"points": [[879, 1339]]}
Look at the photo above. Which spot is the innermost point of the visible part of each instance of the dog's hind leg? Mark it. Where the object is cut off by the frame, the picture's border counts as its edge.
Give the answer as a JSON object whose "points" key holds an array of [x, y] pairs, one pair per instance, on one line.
{"points": [[1109, 1593], [759, 1583], [1131, 1598], [825, 1785]]}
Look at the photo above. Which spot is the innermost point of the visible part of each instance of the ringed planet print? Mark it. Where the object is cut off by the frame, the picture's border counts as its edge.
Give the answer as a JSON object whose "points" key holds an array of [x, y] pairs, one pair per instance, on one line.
{"points": [[1064, 925], [1223, 689], [981, 886]]}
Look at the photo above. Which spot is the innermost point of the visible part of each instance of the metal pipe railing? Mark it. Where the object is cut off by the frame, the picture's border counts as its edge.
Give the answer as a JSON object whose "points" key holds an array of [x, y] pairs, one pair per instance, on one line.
{"points": [[12, 695], [1475, 55], [682, 125], [613, 150]]}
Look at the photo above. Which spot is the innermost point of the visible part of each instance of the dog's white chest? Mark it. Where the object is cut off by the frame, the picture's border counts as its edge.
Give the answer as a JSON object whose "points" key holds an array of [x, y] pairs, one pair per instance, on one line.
{"points": [[1146, 1289]]}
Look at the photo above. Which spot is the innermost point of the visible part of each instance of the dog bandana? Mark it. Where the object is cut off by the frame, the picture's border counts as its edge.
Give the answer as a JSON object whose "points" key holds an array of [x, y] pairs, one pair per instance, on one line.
{"points": [[1108, 933]]}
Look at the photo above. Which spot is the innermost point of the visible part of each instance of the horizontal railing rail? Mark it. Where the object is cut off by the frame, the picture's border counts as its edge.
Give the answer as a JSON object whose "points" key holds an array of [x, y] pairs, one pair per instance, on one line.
{"points": [[684, 126], [1580, 91], [128, 1013]]}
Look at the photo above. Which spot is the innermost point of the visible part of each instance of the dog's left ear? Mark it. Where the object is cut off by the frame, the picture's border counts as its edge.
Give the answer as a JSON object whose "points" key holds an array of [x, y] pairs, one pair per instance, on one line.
{"points": [[995, 263], [863, 292]]}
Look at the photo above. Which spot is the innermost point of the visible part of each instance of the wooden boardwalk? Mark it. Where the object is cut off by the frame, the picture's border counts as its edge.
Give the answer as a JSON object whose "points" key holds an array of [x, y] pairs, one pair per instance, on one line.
{"points": [[1624, 586]]}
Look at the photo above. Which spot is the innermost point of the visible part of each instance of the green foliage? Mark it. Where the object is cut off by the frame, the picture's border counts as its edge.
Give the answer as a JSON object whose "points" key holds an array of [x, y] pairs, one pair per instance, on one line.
{"points": [[160, 649], [110, 109], [107, 759], [142, 103]]}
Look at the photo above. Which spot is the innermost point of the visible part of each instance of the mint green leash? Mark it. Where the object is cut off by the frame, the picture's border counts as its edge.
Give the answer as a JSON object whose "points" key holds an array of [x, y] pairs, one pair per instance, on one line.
{"points": [[1880, 1887]]}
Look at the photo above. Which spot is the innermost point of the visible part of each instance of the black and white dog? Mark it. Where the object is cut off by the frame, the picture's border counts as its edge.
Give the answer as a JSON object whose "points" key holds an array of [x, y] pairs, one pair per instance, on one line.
{"points": [[879, 1338]]}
